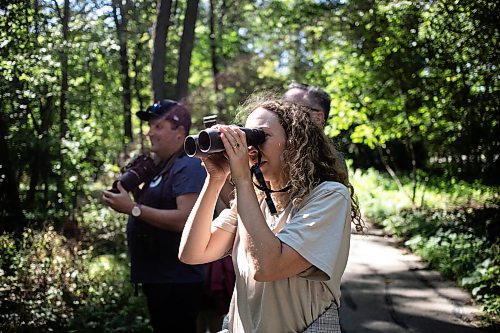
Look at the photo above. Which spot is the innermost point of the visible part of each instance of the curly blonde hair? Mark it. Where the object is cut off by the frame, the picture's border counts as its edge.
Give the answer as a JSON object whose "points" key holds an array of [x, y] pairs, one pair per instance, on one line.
{"points": [[309, 158]]}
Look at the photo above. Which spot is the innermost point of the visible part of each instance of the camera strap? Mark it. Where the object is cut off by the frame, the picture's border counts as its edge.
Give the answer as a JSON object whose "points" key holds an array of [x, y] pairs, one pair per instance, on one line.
{"points": [[161, 169], [165, 166], [255, 169]]}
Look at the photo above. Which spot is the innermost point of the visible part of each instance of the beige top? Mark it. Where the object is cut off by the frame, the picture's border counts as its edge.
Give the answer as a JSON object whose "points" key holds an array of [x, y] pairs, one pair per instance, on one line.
{"points": [[320, 231]]}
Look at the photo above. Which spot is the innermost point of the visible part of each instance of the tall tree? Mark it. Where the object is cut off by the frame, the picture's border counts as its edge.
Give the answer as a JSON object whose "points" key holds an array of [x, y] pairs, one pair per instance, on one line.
{"points": [[12, 217], [120, 16], [160, 33], [42, 164], [64, 16], [186, 47], [213, 47]]}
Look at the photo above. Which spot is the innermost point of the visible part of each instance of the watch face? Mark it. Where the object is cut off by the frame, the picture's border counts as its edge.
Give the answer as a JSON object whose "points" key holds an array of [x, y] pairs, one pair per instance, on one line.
{"points": [[136, 211]]}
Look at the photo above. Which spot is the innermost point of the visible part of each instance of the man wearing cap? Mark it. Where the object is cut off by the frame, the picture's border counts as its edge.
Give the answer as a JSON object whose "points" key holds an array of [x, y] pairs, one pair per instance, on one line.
{"points": [[318, 101], [156, 219]]}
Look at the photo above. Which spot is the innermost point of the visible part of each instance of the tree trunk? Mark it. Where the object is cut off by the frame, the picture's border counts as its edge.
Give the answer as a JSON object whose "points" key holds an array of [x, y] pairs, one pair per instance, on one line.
{"points": [[160, 31], [213, 48], [64, 71], [137, 86], [214, 52], [63, 104], [411, 151], [11, 214], [121, 28], [186, 47], [39, 165], [414, 176]]}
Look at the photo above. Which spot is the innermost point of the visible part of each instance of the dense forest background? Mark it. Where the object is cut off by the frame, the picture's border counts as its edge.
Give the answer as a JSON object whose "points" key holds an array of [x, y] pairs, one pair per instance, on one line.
{"points": [[415, 95]]}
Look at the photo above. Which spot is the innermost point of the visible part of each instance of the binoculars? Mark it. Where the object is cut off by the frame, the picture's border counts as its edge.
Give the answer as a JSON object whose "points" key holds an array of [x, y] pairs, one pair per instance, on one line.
{"points": [[208, 141]]}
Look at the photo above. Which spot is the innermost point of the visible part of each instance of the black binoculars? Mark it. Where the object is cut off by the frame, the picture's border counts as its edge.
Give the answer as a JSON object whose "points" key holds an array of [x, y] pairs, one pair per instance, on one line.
{"points": [[208, 141]]}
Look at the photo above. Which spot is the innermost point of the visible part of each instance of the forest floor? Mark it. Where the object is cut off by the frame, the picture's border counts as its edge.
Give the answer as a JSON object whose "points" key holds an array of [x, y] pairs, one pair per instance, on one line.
{"points": [[388, 289]]}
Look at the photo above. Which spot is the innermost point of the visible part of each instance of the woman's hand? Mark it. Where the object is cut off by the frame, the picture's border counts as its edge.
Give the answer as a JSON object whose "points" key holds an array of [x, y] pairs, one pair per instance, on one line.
{"points": [[235, 143], [217, 166]]}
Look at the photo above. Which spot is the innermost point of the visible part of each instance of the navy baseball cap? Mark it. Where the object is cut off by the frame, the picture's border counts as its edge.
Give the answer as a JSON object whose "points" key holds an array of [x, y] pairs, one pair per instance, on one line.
{"points": [[170, 110]]}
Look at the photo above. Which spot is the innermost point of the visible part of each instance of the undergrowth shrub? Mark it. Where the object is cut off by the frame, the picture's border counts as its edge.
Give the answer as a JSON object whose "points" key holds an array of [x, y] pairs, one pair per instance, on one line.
{"points": [[110, 305], [49, 283], [39, 281]]}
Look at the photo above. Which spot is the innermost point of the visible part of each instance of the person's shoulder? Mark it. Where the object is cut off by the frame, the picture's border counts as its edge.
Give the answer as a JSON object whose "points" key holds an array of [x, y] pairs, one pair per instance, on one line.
{"points": [[331, 188], [186, 161], [188, 166], [188, 170]]}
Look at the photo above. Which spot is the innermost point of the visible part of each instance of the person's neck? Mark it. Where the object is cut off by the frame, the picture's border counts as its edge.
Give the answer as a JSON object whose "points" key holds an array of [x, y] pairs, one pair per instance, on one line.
{"points": [[165, 164], [276, 185], [165, 157], [281, 200], [175, 152]]}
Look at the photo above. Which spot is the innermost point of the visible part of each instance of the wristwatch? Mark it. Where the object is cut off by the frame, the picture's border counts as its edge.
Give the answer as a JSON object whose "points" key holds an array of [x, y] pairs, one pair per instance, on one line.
{"points": [[136, 210]]}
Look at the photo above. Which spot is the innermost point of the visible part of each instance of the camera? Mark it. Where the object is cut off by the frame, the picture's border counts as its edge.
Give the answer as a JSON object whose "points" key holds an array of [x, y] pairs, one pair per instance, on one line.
{"points": [[141, 169], [208, 141]]}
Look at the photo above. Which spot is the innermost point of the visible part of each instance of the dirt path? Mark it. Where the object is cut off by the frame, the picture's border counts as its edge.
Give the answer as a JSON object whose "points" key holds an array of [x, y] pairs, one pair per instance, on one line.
{"points": [[385, 289]]}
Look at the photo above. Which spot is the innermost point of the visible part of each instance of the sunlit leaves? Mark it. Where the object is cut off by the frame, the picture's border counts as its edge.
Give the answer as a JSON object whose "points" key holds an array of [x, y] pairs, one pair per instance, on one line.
{"points": [[419, 71]]}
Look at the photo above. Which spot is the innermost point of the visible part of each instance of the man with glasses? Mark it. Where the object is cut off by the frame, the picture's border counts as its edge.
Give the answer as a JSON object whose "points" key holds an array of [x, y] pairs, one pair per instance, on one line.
{"points": [[313, 97], [157, 217], [318, 102]]}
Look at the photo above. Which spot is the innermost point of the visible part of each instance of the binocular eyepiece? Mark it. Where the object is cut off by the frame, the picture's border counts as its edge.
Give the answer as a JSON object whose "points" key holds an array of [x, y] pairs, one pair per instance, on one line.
{"points": [[208, 141]]}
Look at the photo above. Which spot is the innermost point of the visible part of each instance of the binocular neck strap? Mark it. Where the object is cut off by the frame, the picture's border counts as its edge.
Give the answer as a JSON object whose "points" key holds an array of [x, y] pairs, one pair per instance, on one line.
{"points": [[255, 169]]}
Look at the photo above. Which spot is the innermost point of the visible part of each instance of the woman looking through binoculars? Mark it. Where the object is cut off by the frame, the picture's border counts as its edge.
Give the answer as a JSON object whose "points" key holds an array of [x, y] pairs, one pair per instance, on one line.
{"points": [[289, 264]]}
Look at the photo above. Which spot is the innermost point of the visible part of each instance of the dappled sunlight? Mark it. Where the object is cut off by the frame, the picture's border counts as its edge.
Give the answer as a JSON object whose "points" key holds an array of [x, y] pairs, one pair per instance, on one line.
{"points": [[414, 111], [385, 289]]}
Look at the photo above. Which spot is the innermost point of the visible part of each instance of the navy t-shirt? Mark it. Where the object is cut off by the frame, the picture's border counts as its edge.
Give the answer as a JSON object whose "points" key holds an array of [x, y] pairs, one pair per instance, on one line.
{"points": [[154, 251]]}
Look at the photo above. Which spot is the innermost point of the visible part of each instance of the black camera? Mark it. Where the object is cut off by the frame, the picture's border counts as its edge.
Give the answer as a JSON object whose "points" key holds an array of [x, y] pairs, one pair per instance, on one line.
{"points": [[208, 141], [141, 169]]}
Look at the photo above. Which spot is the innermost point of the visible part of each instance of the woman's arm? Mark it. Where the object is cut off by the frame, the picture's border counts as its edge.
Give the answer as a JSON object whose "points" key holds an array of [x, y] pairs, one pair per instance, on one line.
{"points": [[199, 243], [272, 259], [170, 219]]}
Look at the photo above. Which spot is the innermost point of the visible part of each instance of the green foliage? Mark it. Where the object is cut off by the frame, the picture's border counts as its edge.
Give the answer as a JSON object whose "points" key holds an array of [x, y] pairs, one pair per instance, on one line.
{"points": [[50, 283], [38, 279], [483, 282], [422, 73], [418, 75], [376, 190], [54, 168], [109, 305], [205, 102]]}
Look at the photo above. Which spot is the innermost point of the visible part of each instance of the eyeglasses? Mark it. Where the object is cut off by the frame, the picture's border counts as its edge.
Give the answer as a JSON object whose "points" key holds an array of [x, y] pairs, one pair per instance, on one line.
{"points": [[314, 109], [311, 108]]}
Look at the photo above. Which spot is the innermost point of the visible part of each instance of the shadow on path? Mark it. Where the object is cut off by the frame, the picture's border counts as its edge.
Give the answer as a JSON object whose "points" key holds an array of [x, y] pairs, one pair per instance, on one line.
{"points": [[387, 289]]}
